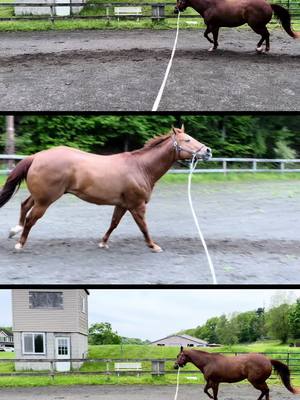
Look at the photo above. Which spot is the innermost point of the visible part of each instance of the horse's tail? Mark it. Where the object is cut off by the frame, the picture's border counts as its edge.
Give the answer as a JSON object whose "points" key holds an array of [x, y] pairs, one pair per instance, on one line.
{"points": [[285, 19], [284, 373], [14, 180]]}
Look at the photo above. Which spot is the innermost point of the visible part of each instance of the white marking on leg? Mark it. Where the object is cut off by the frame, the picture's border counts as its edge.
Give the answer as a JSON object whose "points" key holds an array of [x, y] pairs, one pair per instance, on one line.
{"points": [[103, 245], [14, 231], [156, 249], [259, 49], [18, 246]]}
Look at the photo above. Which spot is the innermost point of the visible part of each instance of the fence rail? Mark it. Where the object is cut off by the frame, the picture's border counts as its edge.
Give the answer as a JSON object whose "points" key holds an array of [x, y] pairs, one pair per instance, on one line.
{"points": [[157, 366], [276, 164], [159, 11]]}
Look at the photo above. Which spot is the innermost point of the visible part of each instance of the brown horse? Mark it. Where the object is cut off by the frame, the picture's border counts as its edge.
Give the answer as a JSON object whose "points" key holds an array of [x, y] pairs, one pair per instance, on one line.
{"points": [[217, 368], [232, 13], [124, 180]]}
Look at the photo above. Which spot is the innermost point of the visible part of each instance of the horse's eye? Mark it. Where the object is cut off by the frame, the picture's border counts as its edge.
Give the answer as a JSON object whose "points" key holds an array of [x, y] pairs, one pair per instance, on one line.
{"points": [[187, 140]]}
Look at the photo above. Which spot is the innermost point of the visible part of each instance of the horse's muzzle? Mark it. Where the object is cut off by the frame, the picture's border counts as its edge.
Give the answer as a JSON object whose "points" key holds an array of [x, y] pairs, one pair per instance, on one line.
{"points": [[176, 366], [176, 10]]}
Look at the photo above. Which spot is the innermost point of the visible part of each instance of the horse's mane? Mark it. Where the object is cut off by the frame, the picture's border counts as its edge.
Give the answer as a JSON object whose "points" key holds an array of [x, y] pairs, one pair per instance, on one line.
{"points": [[152, 143], [157, 140]]}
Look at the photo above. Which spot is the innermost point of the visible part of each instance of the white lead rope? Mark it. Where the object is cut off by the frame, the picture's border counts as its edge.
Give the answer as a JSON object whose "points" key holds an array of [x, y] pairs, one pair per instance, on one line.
{"points": [[162, 88], [211, 266], [177, 385]]}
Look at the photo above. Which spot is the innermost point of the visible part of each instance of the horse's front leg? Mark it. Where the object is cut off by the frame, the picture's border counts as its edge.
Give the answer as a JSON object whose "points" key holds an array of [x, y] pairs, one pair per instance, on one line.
{"points": [[215, 388], [138, 214], [206, 387], [116, 218]]}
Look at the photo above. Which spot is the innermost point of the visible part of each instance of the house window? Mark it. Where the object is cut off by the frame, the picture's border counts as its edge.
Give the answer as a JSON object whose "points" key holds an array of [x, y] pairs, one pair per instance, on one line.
{"points": [[46, 300], [33, 343], [83, 305]]}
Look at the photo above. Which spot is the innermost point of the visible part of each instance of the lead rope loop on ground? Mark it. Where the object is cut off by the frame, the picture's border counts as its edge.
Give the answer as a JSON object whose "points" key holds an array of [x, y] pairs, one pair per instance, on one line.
{"points": [[193, 165], [161, 90], [177, 384]]}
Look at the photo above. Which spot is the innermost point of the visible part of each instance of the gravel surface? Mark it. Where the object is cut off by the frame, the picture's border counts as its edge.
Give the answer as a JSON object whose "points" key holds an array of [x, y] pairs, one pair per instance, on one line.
{"points": [[107, 71], [139, 392], [252, 231]]}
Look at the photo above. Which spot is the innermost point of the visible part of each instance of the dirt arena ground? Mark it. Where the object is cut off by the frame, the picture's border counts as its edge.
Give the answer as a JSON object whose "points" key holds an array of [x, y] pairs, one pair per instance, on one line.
{"points": [[252, 231], [137, 392], [107, 71]]}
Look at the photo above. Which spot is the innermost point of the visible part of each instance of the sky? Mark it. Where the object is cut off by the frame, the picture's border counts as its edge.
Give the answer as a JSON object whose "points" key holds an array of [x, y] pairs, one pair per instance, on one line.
{"points": [[155, 313]]}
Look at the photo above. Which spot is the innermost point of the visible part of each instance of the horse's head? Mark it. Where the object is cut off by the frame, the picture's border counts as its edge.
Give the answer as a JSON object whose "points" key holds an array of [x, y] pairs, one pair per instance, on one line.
{"points": [[181, 5], [187, 147], [181, 360]]}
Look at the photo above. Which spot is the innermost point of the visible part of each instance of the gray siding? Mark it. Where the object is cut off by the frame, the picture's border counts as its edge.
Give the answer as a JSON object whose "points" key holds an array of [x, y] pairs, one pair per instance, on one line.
{"points": [[69, 319], [78, 343]]}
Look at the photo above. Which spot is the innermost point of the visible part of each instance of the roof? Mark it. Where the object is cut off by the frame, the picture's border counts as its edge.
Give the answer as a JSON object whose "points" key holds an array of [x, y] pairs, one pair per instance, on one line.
{"points": [[188, 337], [7, 333]]}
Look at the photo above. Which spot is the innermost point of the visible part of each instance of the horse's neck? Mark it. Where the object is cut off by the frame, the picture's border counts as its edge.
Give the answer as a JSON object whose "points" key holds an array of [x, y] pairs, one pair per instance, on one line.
{"points": [[201, 5], [157, 161], [200, 359]]}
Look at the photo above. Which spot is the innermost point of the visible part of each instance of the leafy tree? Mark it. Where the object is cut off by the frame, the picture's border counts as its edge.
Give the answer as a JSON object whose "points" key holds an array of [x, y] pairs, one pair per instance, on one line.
{"points": [[102, 333], [277, 320], [227, 331], [294, 320]]}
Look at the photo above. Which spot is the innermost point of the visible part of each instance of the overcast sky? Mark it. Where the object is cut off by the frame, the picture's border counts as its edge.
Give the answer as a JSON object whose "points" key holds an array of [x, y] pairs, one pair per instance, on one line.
{"points": [[153, 314]]}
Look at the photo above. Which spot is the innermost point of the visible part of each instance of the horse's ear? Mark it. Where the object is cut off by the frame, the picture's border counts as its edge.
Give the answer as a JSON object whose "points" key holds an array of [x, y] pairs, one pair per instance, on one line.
{"points": [[182, 127], [181, 349]]}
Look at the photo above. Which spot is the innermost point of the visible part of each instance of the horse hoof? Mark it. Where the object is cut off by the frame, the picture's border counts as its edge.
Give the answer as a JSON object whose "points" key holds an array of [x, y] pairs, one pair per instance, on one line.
{"points": [[259, 49], [103, 245], [18, 246], [156, 249], [14, 231], [212, 48]]}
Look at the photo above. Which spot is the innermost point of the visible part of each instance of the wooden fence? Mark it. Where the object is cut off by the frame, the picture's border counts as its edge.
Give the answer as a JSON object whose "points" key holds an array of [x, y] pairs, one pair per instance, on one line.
{"points": [[155, 11], [216, 165], [155, 367]]}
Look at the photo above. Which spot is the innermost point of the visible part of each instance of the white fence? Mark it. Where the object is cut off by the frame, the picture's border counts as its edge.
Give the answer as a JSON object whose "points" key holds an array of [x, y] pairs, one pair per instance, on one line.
{"points": [[226, 165]]}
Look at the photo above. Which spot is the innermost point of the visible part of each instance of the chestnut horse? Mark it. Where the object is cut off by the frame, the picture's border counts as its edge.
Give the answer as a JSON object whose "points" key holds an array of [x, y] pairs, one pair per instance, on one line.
{"points": [[124, 180], [232, 13], [218, 368]]}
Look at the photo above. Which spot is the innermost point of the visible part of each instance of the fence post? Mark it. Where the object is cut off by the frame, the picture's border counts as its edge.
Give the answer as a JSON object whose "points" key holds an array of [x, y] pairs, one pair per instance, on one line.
{"points": [[158, 12], [107, 14], [254, 166], [158, 367], [52, 12], [282, 166], [52, 373], [107, 368], [225, 167], [288, 359]]}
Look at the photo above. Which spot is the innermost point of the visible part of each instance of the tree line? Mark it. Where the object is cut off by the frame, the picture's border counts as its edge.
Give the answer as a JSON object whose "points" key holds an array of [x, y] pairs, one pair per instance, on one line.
{"points": [[228, 135], [281, 322]]}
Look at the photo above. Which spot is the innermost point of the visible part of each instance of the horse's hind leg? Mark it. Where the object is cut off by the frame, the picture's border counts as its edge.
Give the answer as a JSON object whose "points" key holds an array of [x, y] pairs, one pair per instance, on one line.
{"points": [[25, 207], [263, 387], [116, 218], [36, 213], [265, 36], [139, 217]]}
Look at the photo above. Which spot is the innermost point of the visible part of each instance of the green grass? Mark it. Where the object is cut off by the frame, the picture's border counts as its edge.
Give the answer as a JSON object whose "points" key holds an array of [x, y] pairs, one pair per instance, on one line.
{"points": [[130, 352]]}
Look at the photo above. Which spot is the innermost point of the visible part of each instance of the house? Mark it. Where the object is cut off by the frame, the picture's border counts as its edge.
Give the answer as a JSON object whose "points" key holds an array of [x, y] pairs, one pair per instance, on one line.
{"points": [[6, 338], [50, 324], [61, 11], [180, 340]]}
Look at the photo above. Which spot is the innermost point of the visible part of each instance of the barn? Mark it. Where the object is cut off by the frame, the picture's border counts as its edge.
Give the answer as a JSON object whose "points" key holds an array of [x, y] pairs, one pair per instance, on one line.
{"points": [[180, 340]]}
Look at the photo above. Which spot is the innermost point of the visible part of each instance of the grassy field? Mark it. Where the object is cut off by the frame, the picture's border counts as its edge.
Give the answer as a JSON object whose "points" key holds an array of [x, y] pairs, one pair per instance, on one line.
{"points": [[131, 352]]}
